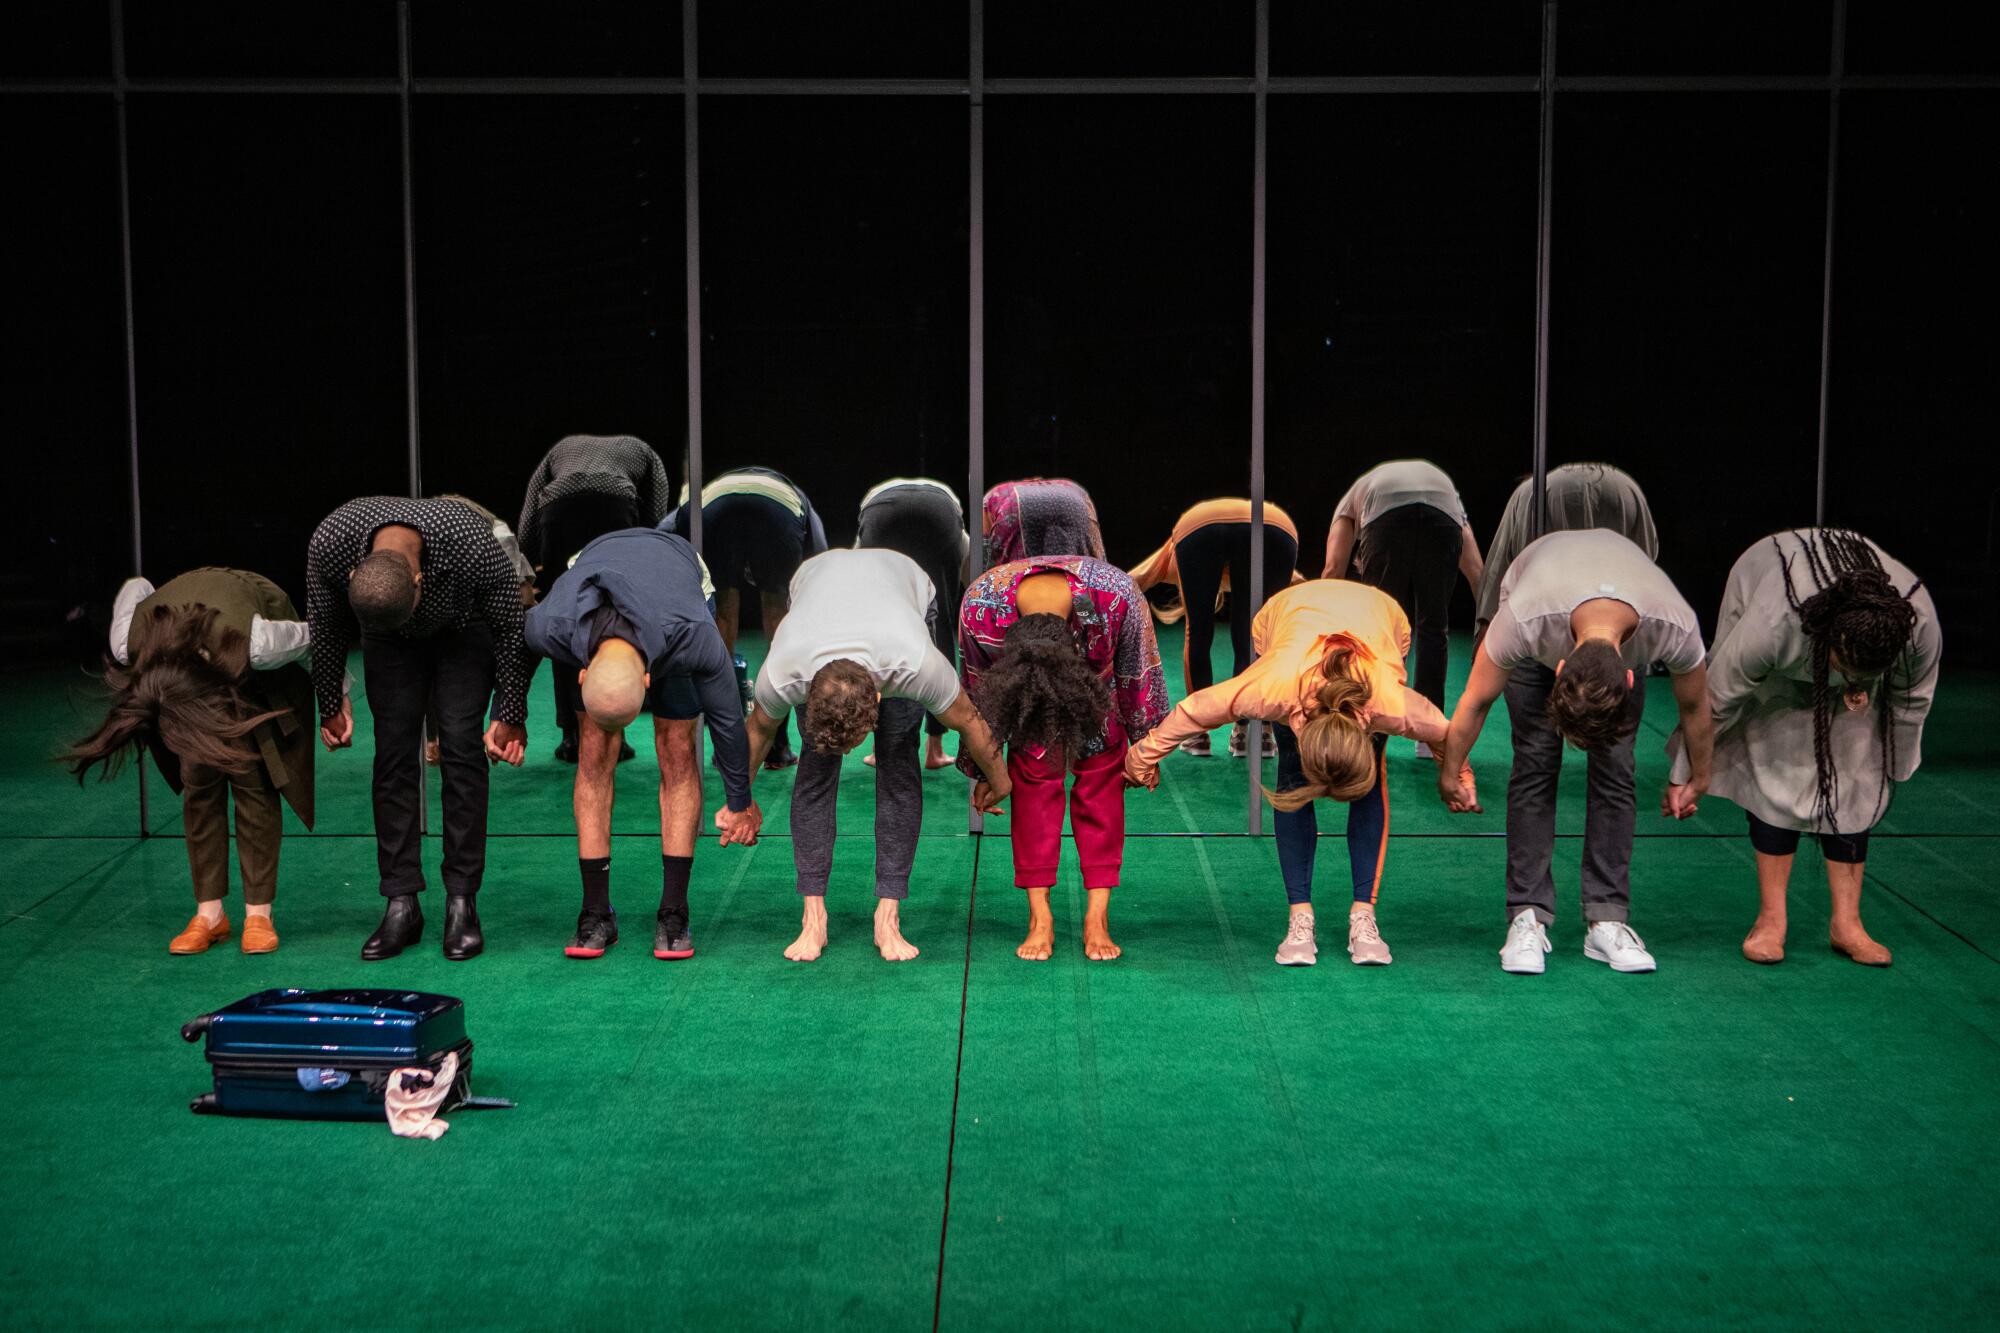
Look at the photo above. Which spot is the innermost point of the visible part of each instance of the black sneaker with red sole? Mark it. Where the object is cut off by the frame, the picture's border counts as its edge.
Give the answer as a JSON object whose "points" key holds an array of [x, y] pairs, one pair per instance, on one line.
{"points": [[595, 933], [671, 936]]}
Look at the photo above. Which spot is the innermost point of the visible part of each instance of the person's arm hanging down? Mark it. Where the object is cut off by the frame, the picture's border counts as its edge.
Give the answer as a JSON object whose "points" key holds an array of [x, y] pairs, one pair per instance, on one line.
{"points": [[739, 820], [1697, 730], [1469, 562], [1482, 687], [1339, 547]]}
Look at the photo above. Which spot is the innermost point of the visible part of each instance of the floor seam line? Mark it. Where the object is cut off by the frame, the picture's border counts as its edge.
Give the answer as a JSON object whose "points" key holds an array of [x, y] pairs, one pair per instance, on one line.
{"points": [[957, 1072]]}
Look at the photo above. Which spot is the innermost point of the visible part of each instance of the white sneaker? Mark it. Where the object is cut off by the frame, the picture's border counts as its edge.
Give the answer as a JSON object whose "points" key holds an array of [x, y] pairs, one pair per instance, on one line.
{"points": [[1424, 750], [1526, 944], [1615, 943], [1300, 948], [1364, 941]]}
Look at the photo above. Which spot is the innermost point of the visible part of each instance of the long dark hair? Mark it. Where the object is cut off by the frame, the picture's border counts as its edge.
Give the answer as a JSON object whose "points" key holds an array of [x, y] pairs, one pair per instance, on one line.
{"points": [[1041, 691], [1856, 611], [189, 700]]}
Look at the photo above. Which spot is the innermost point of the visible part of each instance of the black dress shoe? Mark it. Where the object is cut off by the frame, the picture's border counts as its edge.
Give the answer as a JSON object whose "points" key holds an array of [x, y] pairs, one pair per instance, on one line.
{"points": [[462, 936], [402, 925], [566, 752], [782, 756]]}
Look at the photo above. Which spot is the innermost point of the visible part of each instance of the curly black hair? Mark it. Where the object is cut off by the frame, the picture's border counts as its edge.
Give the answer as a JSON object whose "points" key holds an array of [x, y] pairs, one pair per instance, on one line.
{"points": [[1041, 691], [1854, 610]]}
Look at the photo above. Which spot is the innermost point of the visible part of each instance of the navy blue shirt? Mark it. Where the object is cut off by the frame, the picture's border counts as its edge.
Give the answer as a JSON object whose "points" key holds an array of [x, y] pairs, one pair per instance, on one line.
{"points": [[644, 585]]}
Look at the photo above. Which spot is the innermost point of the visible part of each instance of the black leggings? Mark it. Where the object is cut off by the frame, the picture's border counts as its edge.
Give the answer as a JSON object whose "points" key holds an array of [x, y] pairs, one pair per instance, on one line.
{"points": [[1842, 849], [1202, 557], [924, 523], [1411, 553]]}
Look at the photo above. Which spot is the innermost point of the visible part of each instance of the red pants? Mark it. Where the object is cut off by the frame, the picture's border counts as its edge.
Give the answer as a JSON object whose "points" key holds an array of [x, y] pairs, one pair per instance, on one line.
{"points": [[1096, 816]]}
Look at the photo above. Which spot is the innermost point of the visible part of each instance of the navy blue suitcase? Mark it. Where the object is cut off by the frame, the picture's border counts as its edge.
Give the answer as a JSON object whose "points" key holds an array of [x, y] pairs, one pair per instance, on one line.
{"points": [[326, 1054]]}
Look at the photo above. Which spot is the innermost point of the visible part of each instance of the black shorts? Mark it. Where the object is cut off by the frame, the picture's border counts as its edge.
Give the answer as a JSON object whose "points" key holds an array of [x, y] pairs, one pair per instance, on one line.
{"points": [[673, 698], [749, 541], [1842, 849]]}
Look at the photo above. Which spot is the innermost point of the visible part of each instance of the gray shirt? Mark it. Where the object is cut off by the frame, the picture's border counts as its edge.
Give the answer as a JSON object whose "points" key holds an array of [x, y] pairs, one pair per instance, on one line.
{"points": [[872, 607], [1391, 485], [1578, 496], [1557, 573]]}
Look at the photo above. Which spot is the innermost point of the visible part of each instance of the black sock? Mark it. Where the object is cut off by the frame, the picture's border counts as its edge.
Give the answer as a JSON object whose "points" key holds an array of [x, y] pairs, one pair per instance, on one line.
{"points": [[596, 883], [675, 871]]}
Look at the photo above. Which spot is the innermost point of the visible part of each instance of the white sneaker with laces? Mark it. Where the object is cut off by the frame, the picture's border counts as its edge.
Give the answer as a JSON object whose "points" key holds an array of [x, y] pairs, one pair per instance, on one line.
{"points": [[1616, 944], [1300, 948], [1527, 944], [1364, 941]]}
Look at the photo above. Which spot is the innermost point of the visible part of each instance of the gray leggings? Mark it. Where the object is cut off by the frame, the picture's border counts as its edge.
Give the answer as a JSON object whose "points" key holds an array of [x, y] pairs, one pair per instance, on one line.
{"points": [[899, 805]]}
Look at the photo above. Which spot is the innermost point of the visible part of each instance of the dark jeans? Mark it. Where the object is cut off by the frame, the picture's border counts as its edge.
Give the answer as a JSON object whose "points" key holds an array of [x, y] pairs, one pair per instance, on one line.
{"points": [[899, 805], [1202, 557], [1411, 553], [1610, 807], [454, 667], [1297, 831]]}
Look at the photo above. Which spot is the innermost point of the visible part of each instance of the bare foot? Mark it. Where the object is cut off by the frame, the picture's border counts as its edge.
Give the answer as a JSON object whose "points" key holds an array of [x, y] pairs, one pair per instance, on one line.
{"points": [[889, 933], [431, 753], [812, 933], [1766, 942], [1097, 944], [934, 755], [1041, 941], [1854, 941]]}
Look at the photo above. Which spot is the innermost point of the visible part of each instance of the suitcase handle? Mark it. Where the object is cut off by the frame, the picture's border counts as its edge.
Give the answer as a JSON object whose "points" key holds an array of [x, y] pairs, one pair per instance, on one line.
{"points": [[191, 1031]]}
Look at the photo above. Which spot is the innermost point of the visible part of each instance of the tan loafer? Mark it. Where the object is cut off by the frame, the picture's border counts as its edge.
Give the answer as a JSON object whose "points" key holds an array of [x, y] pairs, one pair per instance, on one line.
{"points": [[198, 936], [259, 935]]}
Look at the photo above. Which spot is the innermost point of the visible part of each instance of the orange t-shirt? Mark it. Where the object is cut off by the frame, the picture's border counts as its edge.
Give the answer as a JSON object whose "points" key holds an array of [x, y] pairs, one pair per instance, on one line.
{"points": [[1290, 635]]}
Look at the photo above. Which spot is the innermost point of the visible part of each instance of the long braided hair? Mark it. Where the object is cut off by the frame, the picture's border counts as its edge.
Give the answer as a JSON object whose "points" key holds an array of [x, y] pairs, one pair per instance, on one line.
{"points": [[1855, 611]]}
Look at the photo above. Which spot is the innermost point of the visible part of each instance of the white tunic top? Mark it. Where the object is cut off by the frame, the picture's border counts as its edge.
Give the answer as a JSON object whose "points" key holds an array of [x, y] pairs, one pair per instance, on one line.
{"points": [[1555, 574], [1760, 694], [1404, 481], [868, 607]]}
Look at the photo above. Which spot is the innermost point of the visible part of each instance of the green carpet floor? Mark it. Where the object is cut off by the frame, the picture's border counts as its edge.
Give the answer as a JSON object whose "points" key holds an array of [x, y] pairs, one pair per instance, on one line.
{"points": [[1190, 1137]]}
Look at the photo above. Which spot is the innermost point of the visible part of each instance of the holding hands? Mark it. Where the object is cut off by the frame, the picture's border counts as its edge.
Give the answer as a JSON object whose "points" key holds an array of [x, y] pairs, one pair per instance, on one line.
{"points": [[739, 827]]}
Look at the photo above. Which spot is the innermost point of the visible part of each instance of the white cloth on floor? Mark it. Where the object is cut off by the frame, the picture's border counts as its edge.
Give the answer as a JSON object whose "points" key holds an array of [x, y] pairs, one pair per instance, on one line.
{"points": [[413, 1110]]}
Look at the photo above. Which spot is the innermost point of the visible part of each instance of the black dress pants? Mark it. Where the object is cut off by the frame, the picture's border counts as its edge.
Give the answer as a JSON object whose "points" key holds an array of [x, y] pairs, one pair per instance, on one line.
{"points": [[454, 668], [1411, 553]]}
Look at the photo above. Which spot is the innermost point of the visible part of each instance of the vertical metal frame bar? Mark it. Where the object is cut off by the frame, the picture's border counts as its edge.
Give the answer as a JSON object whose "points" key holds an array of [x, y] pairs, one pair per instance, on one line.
{"points": [[416, 461], [1538, 500], [1254, 766], [975, 305], [691, 167], [1838, 69], [131, 350]]}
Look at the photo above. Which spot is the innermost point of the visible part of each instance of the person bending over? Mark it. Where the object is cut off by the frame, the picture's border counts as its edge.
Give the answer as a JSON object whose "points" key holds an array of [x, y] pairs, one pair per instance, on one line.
{"points": [[1059, 655], [1823, 670], [437, 607], [757, 528], [1207, 556], [632, 622], [204, 673], [586, 486], [510, 546], [1329, 675], [1575, 498], [1580, 615], [1403, 528], [856, 652], [1039, 516], [922, 519]]}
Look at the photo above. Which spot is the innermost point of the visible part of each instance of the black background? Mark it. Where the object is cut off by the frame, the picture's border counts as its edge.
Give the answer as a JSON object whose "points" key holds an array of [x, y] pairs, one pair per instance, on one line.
{"points": [[1686, 275]]}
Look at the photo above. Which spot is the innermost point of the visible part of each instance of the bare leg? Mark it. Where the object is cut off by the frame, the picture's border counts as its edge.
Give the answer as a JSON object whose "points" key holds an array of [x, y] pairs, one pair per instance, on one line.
{"points": [[774, 605], [934, 755], [1097, 945], [1041, 941], [728, 606], [889, 933], [1766, 941], [596, 784], [680, 784], [812, 932], [1846, 931]]}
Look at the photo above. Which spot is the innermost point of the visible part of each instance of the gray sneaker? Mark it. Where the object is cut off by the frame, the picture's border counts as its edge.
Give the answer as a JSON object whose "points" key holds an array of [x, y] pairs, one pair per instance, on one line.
{"points": [[1300, 948], [1197, 745], [671, 936]]}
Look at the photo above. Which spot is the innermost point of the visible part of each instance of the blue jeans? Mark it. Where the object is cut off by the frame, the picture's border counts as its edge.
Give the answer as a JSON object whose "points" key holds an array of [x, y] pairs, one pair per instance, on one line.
{"points": [[1298, 830]]}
